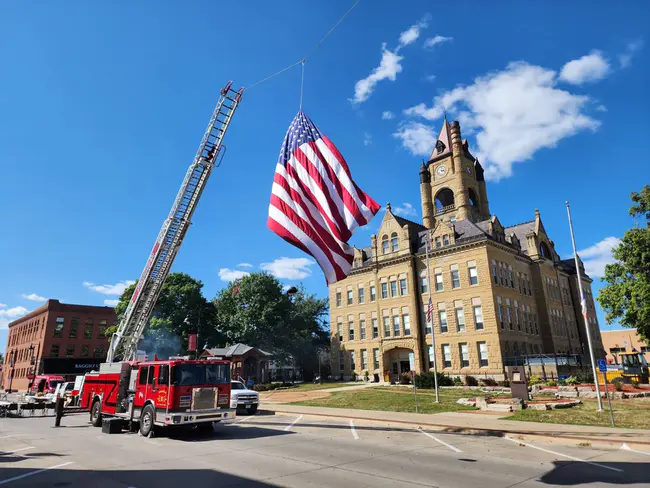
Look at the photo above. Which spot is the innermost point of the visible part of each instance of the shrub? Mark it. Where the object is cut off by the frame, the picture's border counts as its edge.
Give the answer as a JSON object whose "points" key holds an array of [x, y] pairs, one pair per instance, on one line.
{"points": [[470, 381], [426, 380], [618, 385], [571, 380], [534, 380], [353, 376], [551, 383], [488, 382], [457, 381], [504, 383], [562, 382], [404, 379], [261, 387]]}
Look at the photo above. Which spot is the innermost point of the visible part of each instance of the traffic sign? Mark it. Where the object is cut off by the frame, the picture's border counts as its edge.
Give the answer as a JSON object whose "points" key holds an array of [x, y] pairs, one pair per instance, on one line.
{"points": [[602, 365]]}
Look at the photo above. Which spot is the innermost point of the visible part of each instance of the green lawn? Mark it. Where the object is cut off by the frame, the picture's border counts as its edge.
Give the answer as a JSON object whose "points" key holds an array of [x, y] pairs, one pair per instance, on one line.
{"points": [[312, 387], [633, 414], [394, 399]]}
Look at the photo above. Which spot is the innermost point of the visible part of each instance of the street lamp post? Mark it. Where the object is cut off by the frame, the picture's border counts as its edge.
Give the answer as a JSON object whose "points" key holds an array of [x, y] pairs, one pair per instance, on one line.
{"points": [[13, 368]]}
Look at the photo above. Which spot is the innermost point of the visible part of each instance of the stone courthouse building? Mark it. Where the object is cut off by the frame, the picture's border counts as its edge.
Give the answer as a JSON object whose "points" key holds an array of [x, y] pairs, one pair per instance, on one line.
{"points": [[500, 293]]}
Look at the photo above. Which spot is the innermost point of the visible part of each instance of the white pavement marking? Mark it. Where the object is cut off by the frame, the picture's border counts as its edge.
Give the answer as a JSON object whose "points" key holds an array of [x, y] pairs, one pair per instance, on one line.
{"points": [[17, 450], [32, 473], [455, 449], [288, 427], [625, 447], [354, 431], [12, 435], [562, 455], [242, 420]]}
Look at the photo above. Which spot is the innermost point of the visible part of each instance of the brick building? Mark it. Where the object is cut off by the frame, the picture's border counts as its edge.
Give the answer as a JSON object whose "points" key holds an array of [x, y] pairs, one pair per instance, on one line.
{"points": [[624, 340], [67, 340], [499, 293]]}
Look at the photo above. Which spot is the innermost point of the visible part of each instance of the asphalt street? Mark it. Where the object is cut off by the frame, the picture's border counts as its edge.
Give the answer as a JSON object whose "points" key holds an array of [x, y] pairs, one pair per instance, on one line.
{"points": [[298, 451]]}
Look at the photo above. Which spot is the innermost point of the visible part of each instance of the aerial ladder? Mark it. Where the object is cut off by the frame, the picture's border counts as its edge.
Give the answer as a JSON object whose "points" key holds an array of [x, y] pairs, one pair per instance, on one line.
{"points": [[124, 342]]}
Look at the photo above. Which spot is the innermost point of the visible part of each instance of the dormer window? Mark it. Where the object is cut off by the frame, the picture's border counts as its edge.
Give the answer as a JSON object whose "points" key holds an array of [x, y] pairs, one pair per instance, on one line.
{"points": [[394, 242], [385, 246], [445, 240], [544, 251]]}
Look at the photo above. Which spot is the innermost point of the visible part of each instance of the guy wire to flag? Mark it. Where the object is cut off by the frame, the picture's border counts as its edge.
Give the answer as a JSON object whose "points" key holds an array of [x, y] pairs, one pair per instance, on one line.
{"points": [[315, 205]]}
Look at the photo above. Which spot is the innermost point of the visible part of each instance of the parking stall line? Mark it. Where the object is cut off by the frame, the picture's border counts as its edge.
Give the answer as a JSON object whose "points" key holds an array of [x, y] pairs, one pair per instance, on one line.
{"points": [[453, 448], [573, 458], [354, 430], [288, 427], [11, 435], [32, 473], [251, 417], [17, 450], [625, 447]]}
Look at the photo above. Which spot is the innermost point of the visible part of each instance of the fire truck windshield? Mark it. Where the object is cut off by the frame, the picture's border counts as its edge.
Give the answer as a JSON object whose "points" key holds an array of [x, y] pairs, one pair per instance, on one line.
{"points": [[200, 374]]}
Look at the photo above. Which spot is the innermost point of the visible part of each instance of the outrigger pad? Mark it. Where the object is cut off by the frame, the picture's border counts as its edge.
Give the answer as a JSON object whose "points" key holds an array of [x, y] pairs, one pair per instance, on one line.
{"points": [[112, 426]]}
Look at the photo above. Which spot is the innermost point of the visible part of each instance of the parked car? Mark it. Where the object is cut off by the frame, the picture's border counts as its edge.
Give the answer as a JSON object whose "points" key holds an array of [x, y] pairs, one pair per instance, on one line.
{"points": [[243, 399]]}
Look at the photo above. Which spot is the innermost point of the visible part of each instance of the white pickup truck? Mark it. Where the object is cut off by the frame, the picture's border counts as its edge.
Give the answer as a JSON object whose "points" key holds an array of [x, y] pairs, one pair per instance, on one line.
{"points": [[243, 399]]}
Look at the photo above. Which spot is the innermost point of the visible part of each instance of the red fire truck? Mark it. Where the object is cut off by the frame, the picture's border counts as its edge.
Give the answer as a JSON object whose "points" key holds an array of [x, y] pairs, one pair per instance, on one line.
{"points": [[160, 393], [176, 391]]}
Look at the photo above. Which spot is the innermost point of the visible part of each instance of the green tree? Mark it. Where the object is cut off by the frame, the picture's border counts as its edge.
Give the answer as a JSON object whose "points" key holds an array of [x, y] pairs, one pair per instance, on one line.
{"points": [[181, 310], [626, 297], [255, 310]]}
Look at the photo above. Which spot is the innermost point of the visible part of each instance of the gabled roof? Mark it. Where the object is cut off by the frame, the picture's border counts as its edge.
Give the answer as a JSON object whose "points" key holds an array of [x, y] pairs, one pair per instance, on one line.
{"points": [[521, 230], [402, 222], [443, 143], [236, 350]]}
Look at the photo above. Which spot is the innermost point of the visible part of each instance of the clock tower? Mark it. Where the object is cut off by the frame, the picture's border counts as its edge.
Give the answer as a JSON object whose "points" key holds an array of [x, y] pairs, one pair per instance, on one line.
{"points": [[452, 184]]}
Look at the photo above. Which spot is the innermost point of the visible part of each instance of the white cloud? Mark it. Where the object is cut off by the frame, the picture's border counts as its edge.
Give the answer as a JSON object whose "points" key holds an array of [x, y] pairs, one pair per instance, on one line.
{"points": [[433, 41], [387, 115], [367, 139], [406, 210], [3, 305], [244, 265], [10, 314], [630, 50], [388, 68], [227, 274], [601, 108], [34, 297], [418, 138], [111, 303], [597, 256], [588, 68], [410, 35], [429, 78], [289, 268], [116, 289], [513, 114]]}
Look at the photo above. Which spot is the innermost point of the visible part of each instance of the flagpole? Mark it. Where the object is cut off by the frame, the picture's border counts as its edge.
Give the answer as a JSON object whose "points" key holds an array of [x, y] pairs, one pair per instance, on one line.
{"points": [[433, 336], [583, 305]]}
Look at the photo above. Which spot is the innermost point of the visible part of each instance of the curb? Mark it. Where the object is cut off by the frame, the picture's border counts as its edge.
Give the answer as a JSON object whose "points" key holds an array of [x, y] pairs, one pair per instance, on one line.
{"points": [[605, 443]]}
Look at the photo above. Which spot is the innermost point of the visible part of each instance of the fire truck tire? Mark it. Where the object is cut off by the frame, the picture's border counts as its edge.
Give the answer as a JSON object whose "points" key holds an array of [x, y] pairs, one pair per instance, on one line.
{"points": [[147, 420], [96, 414]]}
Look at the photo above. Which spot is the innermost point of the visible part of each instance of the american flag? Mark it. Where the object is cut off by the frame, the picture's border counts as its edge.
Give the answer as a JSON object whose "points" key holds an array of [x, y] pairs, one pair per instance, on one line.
{"points": [[430, 312], [315, 204]]}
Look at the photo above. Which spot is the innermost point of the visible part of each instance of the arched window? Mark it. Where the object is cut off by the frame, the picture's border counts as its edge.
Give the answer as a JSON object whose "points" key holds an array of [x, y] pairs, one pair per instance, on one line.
{"points": [[394, 242], [544, 251], [515, 349], [473, 199], [444, 200], [385, 245]]}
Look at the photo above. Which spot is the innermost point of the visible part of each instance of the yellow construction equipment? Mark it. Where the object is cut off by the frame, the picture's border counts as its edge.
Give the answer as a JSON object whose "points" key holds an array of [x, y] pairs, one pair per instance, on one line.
{"points": [[633, 368]]}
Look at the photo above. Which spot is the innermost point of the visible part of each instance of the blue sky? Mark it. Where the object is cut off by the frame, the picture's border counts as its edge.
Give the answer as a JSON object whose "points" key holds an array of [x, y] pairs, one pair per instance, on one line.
{"points": [[102, 106]]}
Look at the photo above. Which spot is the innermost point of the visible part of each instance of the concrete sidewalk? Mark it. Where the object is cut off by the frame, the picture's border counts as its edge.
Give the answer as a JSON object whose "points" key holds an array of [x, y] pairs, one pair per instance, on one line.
{"points": [[478, 423]]}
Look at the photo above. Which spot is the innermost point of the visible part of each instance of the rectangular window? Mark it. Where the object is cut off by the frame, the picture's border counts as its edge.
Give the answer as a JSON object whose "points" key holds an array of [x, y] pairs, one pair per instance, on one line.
{"points": [[530, 288], [509, 317], [407, 324], [386, 326], [362, 296], [393, 288], [500, 309], [375, 357], [373, 293], [512, 279], [69, 351], [58, 328], [74, 327], [364, 359], [144, 373], [494, 272], [423, 284], [85, 351], [446, 356], [353, 361], [384, 290], [519, 281], [478, 317], [375, 328], [99, 352], [338, 298], [438, 242], [445, 240], [101, 331], [402, 287], [442, 318], [88, 330], [464, 355], [350, 297], [455, 279], [473, 275], [396, 330], [54, 352], [427, 323], [350, 331], [338, 332], [439, 285], [504, 278], [430, 355], [482, 354], [362, 329], [163, 374], [460, 320]]}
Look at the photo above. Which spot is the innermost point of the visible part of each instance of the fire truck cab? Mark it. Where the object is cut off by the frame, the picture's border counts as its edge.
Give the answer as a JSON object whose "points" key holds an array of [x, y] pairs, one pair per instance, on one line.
{"points": [[159, 393]]}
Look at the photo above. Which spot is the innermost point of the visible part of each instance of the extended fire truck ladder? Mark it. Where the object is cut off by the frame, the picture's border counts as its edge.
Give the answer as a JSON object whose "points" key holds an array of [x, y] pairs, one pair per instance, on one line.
{"points": [[124, 342]]}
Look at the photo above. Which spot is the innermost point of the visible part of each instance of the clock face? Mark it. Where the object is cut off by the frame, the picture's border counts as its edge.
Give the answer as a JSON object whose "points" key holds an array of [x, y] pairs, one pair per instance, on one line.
{"points": [[441, 170], [468, 170]]}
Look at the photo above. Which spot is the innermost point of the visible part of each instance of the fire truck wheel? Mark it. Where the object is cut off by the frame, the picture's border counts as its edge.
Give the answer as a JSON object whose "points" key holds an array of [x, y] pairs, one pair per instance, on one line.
{"points": [[147, 420], [96, 414]]}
